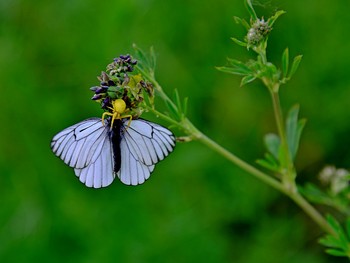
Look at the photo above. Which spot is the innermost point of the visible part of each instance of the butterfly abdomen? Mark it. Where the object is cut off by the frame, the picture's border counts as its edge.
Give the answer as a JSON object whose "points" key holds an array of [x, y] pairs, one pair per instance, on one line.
{"points": [[115, 138]]}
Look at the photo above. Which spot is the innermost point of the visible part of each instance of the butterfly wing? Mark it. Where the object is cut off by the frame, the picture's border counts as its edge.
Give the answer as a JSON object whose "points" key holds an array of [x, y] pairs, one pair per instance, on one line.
{"points": [[142, 145], [87, 147]]}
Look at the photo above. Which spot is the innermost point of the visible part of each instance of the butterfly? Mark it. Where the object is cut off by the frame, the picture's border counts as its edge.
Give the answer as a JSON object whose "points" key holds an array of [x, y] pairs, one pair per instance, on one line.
{"points": [[121, 147]]}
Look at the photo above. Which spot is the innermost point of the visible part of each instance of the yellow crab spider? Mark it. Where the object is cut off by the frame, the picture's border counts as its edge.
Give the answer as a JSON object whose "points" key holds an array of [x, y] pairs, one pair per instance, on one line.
{"points": [[118, 108]]}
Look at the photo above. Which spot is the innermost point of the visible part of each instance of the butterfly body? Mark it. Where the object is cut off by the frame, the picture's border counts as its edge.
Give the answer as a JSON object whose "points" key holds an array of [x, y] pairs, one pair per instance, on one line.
{"points": [[125, 149]]}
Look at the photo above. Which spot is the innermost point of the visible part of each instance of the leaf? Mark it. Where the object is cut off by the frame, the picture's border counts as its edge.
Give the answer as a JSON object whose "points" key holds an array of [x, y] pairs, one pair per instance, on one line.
{"points": [[343, 240], [184, 113], [336, 253], [330, 241], [294, 129], [147, 63], [295, 65], [250, 9], [232, 70], [272, 143], [285, 62], [177, 101], [269, 163], [314, 194], [273, 18], [242, 21], [239, 42], [348, 226], [247, 79], [240, 65], [264, 163], [172, 108]]}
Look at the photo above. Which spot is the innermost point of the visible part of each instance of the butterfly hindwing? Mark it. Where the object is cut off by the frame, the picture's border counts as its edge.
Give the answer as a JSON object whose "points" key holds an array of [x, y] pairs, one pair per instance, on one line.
{"points": [[142, 145], [86, 146]]}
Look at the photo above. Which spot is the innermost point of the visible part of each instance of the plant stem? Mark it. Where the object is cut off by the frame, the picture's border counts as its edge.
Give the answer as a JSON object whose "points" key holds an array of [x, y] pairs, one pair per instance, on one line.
{"points": [[294, 195], [288, 175], [240, 163], [311, 212]]}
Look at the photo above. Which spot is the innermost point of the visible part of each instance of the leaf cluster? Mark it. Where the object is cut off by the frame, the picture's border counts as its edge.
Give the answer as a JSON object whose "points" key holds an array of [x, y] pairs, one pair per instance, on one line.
{"points": [[274, 157]]}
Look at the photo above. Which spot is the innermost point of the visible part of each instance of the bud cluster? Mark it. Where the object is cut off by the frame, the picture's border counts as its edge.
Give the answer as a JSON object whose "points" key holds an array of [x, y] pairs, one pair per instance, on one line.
{"points": [[120, 82], [258, 31]]}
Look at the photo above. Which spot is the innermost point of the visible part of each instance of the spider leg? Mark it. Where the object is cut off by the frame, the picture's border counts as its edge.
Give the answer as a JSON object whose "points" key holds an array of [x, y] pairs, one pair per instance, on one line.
{"points": [[129, 122], [104, 116]]}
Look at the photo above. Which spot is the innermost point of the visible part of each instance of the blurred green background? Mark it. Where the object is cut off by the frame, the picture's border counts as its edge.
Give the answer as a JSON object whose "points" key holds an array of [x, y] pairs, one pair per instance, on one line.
{"points": [[196, 207]]}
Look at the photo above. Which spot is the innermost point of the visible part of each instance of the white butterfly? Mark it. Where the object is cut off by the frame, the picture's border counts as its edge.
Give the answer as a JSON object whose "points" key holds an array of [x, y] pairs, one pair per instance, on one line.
{"points": [[98, 153]]}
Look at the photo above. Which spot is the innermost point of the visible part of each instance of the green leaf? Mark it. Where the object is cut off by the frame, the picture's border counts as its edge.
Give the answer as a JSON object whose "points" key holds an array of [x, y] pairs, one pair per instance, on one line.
{"points": [[247, 79], [336, 253], [172, 108], [184, 113], [250, 9], [330, 241], [273, 18], [343, 240], [314, 194], [239, 42], [295, 65], [152, 58], [146, 63], [232, 70], [177, 101], [285, 62], [348, 226], [240, 65], [294, 129], [242, 21], [333, 223], [269, 163], [272, 143]]}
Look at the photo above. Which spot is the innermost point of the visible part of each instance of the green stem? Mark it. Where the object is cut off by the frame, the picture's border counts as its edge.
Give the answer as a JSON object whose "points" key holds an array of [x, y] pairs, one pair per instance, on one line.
{"points": [[312, 212], [288, 175], [294, 195], [240, 163]]}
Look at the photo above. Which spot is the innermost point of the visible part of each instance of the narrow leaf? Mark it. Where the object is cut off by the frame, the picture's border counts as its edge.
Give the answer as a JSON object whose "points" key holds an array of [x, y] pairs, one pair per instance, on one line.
{"points": [[348, 227], [266, 164], [152, 58], [336, 253], [314, 194], [293, 130], [242, 21], [184, 113], [232, 70], [250, 9], [272, 143], [330, 241], [178, 101], [240, 66], [333, 223], [172, 108], [285, 62], [247, 79], [239, 42], [273, 18], [295, 65]]}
